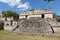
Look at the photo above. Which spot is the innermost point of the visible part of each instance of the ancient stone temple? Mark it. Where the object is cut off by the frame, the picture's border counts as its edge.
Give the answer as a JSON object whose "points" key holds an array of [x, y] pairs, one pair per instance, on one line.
{"points": [[34, 22], [37, 13]]}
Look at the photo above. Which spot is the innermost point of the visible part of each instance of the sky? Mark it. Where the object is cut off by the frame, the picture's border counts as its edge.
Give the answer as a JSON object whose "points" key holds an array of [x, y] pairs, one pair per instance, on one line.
{"points": [[25, 5]]}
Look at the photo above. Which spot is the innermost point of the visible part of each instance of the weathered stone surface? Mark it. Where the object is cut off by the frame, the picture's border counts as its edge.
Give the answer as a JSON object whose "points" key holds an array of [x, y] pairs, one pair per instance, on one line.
{"points": [[33, 26], [1, 25]]}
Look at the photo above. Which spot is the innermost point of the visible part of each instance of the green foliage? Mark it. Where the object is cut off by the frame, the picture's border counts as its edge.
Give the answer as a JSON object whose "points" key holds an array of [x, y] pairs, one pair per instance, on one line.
{"points": [[10, 14], [3, 12], [32, 10], [49, 0], [5, 35], [58, 20], [57, 17]]}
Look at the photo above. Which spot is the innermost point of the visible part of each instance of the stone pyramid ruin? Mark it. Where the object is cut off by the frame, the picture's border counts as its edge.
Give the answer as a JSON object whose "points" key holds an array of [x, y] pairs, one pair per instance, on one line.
{"points": [[33, 26]]}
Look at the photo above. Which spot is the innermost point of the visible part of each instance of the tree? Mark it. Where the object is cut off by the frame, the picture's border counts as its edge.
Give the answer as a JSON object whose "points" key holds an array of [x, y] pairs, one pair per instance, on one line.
{"points": [[32, 10], [57, 17], [49, 0], [15, 16], [10, 14], [3, 12]]}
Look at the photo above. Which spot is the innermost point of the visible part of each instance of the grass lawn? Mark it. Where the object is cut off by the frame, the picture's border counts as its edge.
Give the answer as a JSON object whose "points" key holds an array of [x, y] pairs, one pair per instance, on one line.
{"points": [[4, 36]]}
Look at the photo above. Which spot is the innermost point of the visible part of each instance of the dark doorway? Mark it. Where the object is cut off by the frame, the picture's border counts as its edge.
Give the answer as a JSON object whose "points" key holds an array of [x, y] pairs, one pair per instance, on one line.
{"points": [[42, 15], [26, 16]]}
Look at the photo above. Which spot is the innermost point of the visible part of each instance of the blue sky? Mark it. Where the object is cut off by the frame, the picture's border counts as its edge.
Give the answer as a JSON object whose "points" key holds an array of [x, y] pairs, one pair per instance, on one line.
{"points": [[25, 5]]}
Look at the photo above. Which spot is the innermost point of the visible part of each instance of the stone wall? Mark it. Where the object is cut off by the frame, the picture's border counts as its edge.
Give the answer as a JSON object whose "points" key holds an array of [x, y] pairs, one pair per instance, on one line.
{"points": [[37, 13], [33, 26], [1, 25], [9, 26], [33, 16], [22, 16], [48, 16]]}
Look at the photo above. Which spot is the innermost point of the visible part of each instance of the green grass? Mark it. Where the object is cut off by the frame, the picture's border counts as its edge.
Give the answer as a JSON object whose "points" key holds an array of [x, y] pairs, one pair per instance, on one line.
{"points": [[22, 37], [58, 32], [3, 31]]}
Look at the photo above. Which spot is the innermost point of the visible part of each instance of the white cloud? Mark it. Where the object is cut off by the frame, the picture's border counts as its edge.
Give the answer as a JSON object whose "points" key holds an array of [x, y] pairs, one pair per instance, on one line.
{"points": [[24, 6], [17, 3], [11, 2]]}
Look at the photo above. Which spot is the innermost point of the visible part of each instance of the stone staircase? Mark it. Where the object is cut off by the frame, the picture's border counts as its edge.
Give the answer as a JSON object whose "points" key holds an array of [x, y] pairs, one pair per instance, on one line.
{"points": [[33, 26], [54, 24], [36, 26]]}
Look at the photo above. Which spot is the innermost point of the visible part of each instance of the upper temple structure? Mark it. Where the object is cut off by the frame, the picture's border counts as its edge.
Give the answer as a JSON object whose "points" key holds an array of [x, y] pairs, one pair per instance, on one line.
{"points": [[37, 13]]}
